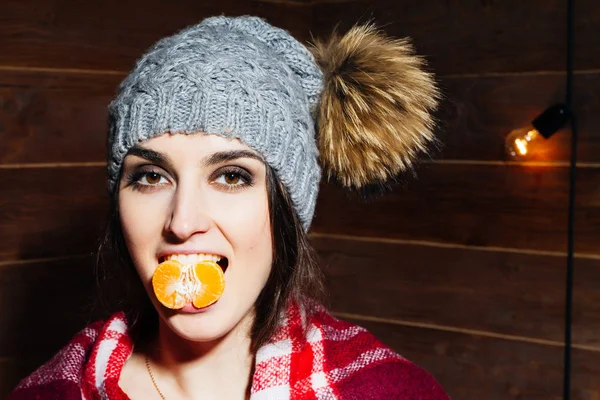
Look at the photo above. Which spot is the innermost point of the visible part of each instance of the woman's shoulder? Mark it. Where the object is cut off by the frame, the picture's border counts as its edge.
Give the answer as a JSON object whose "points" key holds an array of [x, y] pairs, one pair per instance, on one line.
{"points": [[63, 375], [363, 367]]}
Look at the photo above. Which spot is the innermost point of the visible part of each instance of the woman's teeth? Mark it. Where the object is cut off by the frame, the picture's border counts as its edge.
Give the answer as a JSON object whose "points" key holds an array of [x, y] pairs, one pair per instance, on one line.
{"points": [[194, 258]]}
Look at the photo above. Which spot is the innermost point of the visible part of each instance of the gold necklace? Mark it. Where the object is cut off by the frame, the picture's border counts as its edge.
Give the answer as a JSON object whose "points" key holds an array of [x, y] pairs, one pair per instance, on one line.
{"points": [[162, 396]]}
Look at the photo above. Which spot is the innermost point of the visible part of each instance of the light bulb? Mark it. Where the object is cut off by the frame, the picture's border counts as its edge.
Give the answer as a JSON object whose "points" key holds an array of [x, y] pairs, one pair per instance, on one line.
{"points": [[521, 143]]}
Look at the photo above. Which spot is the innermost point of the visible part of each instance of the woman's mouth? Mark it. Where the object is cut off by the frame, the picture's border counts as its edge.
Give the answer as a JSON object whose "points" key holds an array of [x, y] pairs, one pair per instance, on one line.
{"points": [[191, 283], [187, 259]]}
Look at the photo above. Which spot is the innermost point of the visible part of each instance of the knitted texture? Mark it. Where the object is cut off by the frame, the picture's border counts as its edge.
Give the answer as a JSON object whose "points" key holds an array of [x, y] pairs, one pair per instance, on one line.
{"points": [[319, 359], [234, 77]]}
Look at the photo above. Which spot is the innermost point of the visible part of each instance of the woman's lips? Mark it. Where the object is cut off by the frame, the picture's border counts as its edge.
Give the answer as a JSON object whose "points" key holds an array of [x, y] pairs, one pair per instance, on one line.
{"points": [[189, 308]]}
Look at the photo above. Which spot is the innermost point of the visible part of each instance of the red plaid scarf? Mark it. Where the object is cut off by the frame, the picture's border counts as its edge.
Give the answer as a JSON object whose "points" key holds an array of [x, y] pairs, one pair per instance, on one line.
{"points": [[327, 360]]}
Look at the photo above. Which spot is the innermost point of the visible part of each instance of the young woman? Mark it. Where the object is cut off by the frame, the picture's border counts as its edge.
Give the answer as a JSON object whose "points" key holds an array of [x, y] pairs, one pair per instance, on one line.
{"points": [[216, 144]]}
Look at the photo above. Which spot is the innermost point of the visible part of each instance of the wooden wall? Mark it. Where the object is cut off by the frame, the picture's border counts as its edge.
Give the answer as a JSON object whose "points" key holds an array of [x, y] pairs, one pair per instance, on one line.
{"points": [[461, 270]]}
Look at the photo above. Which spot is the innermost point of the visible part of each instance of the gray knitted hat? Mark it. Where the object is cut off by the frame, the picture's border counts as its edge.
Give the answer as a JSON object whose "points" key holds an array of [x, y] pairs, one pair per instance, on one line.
{"points": [[243, 78], [234, 77]]}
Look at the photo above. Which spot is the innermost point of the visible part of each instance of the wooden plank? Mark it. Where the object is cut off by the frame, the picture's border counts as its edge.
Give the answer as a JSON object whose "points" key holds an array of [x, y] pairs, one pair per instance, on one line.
{"points": [[586, 302], [587, 211], [523, 207], [49, 212], [505, 293], [503, 369], [478, 112], [476, 367], [54, 118], [95, 82], [61, 117], [111, 35], [473, 36]]}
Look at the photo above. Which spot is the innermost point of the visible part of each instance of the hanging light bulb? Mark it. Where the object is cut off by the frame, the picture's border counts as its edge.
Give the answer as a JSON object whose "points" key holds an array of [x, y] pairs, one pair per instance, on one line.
{"points": [[522, 143]]}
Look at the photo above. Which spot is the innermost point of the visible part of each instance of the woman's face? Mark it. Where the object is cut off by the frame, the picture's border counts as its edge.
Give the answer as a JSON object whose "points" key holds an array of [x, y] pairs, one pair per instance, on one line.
{"points": [[189, 194]]}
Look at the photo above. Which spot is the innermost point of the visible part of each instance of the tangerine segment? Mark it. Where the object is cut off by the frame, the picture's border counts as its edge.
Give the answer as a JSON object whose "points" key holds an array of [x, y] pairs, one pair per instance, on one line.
{"points": [[168, 284], [212, 283]]}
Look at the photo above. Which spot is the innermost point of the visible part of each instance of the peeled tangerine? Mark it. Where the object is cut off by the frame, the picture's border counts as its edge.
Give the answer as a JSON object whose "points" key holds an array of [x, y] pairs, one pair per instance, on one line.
{"points": [[176, 284]]}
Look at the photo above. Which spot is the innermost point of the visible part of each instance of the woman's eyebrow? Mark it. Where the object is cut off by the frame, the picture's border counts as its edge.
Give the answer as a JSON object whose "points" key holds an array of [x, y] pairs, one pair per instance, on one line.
{"points": [[150, 155], [223, 156]]}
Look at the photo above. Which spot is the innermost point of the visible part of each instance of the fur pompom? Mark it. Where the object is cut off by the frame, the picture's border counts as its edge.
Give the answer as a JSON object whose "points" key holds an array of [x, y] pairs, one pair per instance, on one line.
{"points": [[375, 112]]}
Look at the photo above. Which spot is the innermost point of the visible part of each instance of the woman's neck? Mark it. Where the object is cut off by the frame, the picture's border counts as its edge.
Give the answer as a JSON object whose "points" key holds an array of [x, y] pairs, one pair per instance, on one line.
{"points": [[218, 369]]}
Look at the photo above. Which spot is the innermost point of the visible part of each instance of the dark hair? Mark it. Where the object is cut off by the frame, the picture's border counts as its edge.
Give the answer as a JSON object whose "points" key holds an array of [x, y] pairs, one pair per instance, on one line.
{"points": [[295, 273]]}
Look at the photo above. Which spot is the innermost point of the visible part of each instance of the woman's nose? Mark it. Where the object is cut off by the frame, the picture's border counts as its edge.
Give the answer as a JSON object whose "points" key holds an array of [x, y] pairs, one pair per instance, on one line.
{"points": [[189, 213]]}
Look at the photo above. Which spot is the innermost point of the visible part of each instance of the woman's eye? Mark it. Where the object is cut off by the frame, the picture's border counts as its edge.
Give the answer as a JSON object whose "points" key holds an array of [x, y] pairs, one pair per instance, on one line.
{"points": [[151, 178], [230, 179]]}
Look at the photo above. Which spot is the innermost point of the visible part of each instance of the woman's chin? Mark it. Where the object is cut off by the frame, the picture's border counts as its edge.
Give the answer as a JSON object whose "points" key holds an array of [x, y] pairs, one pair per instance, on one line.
{"points": [[202, 325], [197, 327]]}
